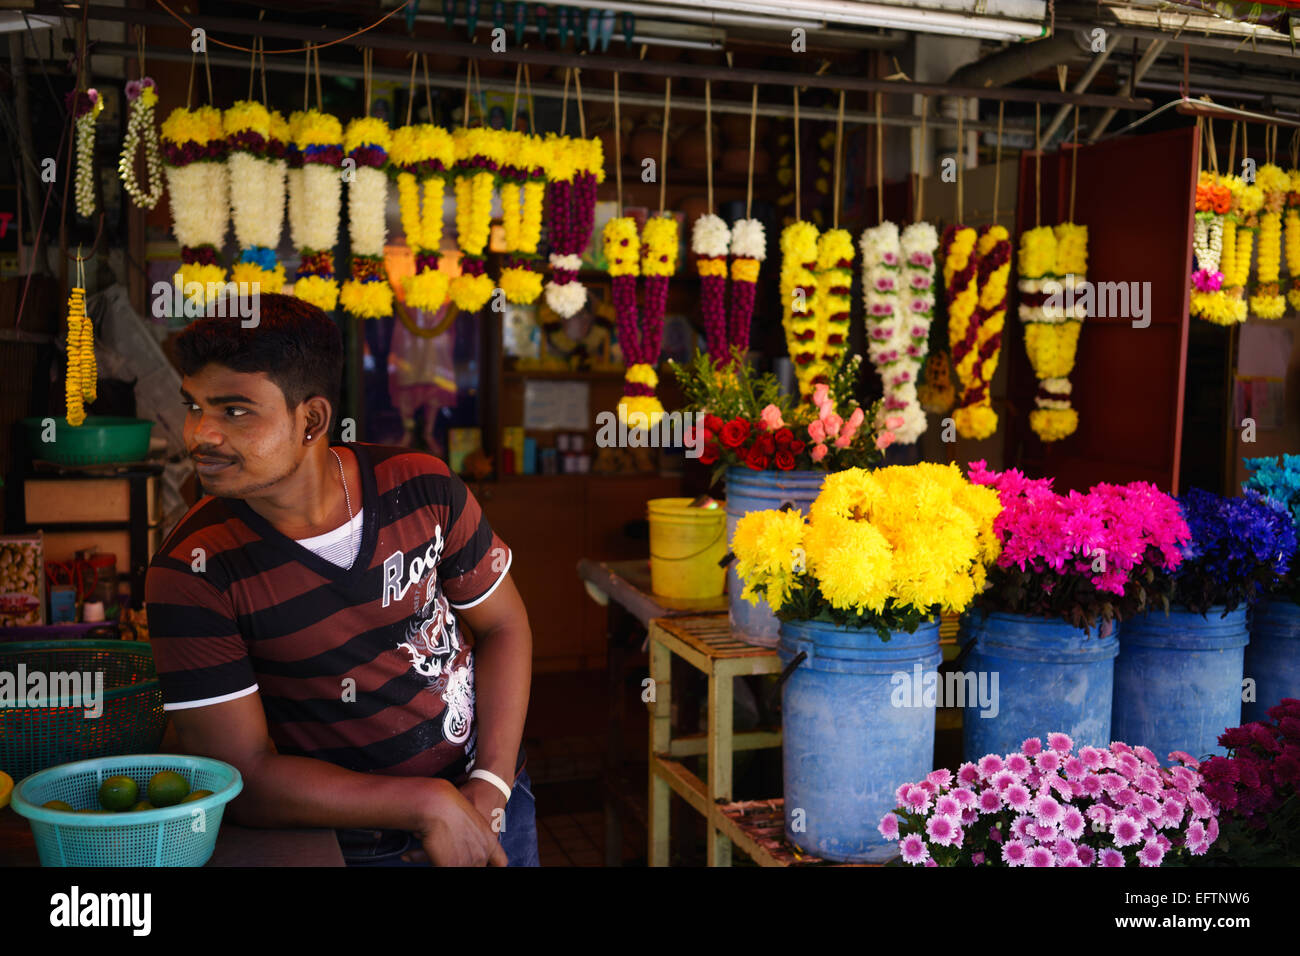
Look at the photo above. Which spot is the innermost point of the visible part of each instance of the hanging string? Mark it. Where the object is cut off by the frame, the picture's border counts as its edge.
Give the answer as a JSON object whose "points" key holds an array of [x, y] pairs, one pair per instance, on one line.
{"points": [[514, 103], [252, 67], [708, 140], [320, 98], [139, 50], [428, 89], [262, 58], [410, 91], [577, 95], [564, 102], [1295, 148], [1232, 150], [207, 68], [663, 144], [920, 162], [618, 147], [1074, 162], [469, 83], [189, 90], [798, 180], [1245, 142], [366, 54], [1214, 149], [997, 166], [880, 162], [1038, 164], [528, 87], [961, 159], [839, 155], [749, 183], [306, 82]]}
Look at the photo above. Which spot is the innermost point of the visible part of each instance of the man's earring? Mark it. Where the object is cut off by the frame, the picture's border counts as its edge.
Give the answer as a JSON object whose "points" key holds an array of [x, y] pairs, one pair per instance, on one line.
{"points": [[309, 437]]}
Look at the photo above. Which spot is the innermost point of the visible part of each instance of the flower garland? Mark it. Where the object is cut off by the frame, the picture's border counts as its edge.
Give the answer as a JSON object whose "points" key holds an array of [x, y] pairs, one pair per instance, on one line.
{"points": [[198, 183], [480, 155], [1051, 340], [710, 239], [659, 245], [142, 97], [798, 292], [1293, 238], [748, 250], [368, 294], [1213, 201], [831, 305], [87, 107], [959, 278], [314, 216], [1268, 302], [640, 343], [82, 374], [1247, 200], [573, 167], [421, 158], [976, 356], [256, 195], [523, 184]]}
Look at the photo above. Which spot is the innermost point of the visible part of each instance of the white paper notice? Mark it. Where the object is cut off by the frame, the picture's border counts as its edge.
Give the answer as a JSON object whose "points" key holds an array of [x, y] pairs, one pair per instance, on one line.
{"points": [[557, 405]]}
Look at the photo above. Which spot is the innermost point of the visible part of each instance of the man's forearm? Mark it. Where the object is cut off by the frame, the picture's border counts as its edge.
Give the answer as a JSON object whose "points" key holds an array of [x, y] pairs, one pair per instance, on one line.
{"points": [[289, 791], [503, 669]]}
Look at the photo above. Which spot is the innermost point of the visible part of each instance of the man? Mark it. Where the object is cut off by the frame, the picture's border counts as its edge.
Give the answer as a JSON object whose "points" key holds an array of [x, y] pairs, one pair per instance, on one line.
{"points": [[308, 616]]}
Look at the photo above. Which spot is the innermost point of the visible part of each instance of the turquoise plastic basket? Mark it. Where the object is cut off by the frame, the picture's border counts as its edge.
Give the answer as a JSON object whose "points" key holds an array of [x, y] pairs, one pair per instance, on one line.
{"points": [[181, 835]]}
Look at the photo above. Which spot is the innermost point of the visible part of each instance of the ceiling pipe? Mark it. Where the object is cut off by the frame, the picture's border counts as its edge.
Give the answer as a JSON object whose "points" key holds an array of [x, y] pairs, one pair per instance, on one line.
{"points": [[1019, 61]]}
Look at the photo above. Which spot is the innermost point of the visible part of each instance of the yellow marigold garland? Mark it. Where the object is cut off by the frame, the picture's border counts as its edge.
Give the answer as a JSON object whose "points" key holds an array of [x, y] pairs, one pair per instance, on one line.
{"points": [[960, 264], [832, 305], [82, 374], [423, 155], [1293, 238], [1268, 302], [798, 292]]}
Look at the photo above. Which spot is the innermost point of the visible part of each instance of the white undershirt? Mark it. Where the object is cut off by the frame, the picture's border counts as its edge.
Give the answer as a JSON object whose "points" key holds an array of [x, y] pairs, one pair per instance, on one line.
{"points": [[340, 546]]}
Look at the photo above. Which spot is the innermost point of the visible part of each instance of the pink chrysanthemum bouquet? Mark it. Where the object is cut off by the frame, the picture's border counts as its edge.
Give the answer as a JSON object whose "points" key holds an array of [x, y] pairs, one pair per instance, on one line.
{"points": [[1050, 806]]}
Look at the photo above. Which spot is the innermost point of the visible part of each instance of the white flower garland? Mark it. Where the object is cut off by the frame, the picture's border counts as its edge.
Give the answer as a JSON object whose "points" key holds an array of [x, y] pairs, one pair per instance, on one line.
{"points": [[710, 236], [748, 240], [200, 203], [85, 184], [1207, 243], [898, 292], [367, 205], [140, 128], [317, 224]]}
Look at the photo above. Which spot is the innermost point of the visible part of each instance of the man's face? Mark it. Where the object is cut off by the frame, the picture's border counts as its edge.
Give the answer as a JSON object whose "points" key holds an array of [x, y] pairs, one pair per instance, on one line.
{"points": [[240, 432]]}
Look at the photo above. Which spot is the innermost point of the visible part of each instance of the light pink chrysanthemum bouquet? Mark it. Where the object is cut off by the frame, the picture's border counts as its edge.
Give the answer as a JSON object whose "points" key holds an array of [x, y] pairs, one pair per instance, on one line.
{"points": [[1053, 807]]}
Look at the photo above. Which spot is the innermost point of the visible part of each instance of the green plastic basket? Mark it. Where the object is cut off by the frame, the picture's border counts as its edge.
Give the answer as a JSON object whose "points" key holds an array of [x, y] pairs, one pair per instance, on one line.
{"points": [[132, 721], [100, 440], [181, 835]]}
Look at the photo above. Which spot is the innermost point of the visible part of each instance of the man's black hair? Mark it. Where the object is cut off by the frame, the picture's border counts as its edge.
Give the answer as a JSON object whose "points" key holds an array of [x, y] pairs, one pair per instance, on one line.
{"points": [[296, 344]]}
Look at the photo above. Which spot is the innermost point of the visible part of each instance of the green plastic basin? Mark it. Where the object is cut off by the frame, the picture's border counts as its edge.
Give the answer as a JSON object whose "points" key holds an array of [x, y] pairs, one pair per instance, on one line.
{"points": [[100, 440]]}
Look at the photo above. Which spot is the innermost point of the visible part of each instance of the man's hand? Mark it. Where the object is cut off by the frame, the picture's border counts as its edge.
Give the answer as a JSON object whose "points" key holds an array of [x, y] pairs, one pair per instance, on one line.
{"points": [[455, 832], [488, 801]]}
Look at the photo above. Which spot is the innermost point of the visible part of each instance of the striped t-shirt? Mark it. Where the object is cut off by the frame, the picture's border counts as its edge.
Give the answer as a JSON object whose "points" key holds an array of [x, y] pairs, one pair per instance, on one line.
{"points": [[363, 667]]}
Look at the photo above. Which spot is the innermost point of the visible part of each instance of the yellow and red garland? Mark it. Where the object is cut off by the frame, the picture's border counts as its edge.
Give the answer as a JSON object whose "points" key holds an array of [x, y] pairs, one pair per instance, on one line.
{"points": [[798, 294], [1268, 302], [653, 255], [523, 185], [315, 203], [422, 157]]}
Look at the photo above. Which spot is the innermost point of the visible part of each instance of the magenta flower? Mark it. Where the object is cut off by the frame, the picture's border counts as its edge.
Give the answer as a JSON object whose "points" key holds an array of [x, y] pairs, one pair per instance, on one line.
{"points": [[1125, 831], [1149, 782], [1014, 853], [1090, 785], [969, 816], [1100, 813], [990, 801], [1119, 747], [1017, 764], [1110, 782], [1047, 810], [1111, 857], [888, 826], [947, 805], [942, 830], [1151, 854], [1061, 786], [1031, 747], [1212, 831], [1091, 757], [1060, 742], [940, 778], [964, 795], [1184, 757], [977, 859], [995, 835], [1200, 806], [1020, 827], [1128, 765], [1149, 805], [1072, 823], [1074, 767], [1171, 815], [900, 795], [1042, 832], [925, 785], [1041, 856], [1145, 754], [968, 774], [1064, 848], [989, 764], [1003, 779], [1049, 761], [1017, 797], [1087, 855], [917, 800], [913, 849], [1195, 833], [1125, 795]]}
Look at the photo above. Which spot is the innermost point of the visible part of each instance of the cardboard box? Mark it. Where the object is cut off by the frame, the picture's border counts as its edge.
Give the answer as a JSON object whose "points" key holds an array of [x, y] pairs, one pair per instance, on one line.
{"points": [[22, 580], [85, 500]]}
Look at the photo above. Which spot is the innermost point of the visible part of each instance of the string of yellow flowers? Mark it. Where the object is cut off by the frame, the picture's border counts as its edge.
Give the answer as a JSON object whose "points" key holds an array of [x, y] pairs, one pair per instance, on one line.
{"points": [[480, 154], [422, 156], [1052, 342], [832, 306], [1247, 200], [523, 184], [1268, 302], [959, 267], [798, 291], [82, 374], [1293, 238]]}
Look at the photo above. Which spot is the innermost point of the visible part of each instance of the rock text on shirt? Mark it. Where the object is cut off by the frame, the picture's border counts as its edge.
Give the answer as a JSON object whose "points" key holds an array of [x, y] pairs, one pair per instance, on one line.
{"points": [[395, 565]]}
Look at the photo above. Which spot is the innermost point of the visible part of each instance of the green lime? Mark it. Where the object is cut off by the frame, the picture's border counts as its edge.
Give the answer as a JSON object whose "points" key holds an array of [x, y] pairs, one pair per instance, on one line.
{"points": [[144, 805], [197, 795], [166, 788], [118, 793], [57, 805]]}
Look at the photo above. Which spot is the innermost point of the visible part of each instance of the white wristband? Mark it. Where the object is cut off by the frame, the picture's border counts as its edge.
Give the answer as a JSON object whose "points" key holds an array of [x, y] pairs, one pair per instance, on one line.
{"points": [[493, 779]]}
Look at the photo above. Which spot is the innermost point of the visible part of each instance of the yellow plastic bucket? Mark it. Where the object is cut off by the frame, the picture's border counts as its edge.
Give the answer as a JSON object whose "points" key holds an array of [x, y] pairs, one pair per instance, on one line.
{"points": [[686, 545]]}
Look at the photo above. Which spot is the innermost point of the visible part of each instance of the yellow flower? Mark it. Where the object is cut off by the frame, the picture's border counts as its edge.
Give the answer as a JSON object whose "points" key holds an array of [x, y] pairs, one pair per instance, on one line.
{"points": [[314, 128], [202, 125], [1051, 347], [271, 281], [521, 286], [640, 411], [622, 247], [1053, 424], [367, 300], [768, 546], [659, 246], [1071, 249], [203, 275], [1038, 253], [975, 421], [471, 293], [834, 246], [427, 289], [318, 291], [641, 374], [367, 131], [712, 267], [247, 116], [744, 270]]}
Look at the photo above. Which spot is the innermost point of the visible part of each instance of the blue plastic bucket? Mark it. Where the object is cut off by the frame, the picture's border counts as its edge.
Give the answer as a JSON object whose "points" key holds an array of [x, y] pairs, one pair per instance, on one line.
{"points": [[1050, 677], [853, 732], [1273, 655], [749, 490], [1178, 680]]}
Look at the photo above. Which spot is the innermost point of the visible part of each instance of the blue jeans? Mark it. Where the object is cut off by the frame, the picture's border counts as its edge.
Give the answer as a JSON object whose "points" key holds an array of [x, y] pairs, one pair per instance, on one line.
{"points": [[518, 836]]}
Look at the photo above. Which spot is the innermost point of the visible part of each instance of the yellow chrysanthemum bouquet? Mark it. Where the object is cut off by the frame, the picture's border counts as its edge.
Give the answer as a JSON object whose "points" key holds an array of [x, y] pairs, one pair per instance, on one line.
{"points": [[884, 550]]}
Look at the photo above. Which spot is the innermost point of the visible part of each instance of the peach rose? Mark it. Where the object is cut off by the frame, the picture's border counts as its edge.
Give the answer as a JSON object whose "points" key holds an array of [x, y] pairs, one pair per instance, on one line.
{"points": [[771, 417], [818, 452], [884, 440], [832, 423], [821, 394], [856, 418], [844, 440], [817, 431]]}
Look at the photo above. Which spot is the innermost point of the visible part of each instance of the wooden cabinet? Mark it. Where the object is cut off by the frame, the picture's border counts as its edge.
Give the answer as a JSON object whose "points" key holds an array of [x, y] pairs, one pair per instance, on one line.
{"points": [[550, 522]]}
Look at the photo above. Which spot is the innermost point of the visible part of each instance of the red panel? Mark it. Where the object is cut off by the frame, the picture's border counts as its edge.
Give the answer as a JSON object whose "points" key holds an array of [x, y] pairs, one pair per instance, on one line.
{"points": [[1136, 196]]}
